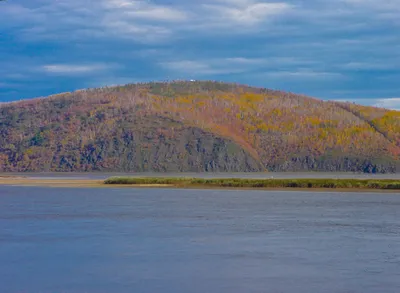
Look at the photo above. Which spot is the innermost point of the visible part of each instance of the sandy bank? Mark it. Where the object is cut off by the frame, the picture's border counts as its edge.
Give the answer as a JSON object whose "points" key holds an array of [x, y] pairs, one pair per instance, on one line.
{"points": [[95, 183], [72, 183]]}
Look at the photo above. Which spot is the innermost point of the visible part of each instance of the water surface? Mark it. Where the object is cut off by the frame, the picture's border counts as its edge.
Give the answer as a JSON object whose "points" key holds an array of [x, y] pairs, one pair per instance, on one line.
{"points": [[155, 240]]}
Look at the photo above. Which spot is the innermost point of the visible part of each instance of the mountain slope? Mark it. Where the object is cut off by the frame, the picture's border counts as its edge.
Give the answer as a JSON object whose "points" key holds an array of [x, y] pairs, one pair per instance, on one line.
{"points": [[195, 126]]}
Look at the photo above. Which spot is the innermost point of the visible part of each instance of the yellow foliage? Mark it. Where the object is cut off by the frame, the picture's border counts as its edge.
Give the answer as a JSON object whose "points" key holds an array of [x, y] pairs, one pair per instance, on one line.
{"points": [[276, 112], [29, 152], [314, 121], [263, 127], [252, 97]]}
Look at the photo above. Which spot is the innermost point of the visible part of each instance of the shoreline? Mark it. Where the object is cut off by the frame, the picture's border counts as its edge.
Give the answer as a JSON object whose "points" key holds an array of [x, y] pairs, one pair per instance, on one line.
{"points": [[204, 175], [96, 183]]}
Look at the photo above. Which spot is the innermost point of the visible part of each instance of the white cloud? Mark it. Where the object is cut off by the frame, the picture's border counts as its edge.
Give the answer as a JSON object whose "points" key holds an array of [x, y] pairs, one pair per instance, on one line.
{"points": [[133, 31], [391, 103], [72, 69], [14, 11], [62, 20], [150, 21], [376, 5], [212, 66], [243, 60], [387, 10], [285, 43], [198, 68], [246, 12], [261, 67], [146, 10], [258, 68], [387, 103], [304, 73], [372, 65], [139, 20]]}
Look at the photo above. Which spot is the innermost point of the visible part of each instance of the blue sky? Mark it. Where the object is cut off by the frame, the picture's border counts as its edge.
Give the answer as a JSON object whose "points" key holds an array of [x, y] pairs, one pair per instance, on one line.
{"points": [[337, 49]]}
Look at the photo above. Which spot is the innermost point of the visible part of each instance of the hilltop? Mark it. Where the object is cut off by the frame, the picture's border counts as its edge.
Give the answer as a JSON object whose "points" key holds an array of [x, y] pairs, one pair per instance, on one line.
{"points": [[195, 126]]}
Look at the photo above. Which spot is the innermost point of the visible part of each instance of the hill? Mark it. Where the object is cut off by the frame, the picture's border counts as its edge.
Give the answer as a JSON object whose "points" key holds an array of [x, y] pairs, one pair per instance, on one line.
{"points": [[195, 126]]}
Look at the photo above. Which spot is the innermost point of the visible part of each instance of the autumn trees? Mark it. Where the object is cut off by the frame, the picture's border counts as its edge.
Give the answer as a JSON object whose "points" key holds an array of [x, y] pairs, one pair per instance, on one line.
{"points": [[194, 126]]}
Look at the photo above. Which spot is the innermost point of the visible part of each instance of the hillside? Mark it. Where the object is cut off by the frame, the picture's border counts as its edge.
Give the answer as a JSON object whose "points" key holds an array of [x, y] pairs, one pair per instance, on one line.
{"points": [[195, 126]]}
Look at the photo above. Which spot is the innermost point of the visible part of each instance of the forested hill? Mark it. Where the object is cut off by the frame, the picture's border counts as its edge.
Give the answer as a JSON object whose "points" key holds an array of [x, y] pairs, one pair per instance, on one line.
{"points": [[195, 126]]}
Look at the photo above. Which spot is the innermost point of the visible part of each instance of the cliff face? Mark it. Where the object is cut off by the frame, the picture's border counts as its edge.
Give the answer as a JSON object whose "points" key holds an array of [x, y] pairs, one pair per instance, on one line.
{"points": [[195, 126]]}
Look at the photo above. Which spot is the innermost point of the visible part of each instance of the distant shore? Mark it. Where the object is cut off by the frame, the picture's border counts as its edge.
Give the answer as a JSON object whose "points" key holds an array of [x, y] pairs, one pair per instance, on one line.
{"points": [[31, 181], [204, 175], [331, 185], [184, 182]]}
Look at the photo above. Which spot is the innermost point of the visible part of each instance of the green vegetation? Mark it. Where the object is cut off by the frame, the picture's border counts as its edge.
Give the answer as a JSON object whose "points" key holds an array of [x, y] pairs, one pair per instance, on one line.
{"points": [[259, 183], [195, 127]]}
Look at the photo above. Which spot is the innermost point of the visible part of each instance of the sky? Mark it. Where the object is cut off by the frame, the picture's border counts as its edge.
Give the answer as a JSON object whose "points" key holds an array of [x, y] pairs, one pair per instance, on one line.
{"points": [[337, 49]]}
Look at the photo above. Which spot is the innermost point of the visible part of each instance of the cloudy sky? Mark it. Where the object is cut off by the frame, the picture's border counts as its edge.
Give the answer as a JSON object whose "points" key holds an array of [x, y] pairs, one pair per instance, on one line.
{"points": [[336, 49]]}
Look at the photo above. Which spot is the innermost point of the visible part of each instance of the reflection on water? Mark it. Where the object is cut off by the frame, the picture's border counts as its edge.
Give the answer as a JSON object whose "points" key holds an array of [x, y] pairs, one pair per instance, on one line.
{"points": [[138, 240]]}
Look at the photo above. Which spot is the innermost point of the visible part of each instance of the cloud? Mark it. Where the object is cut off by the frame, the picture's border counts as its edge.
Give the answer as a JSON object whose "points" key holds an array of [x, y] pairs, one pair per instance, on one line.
{"points": [[62, 20], [388, 10], [246, 13], [6, 84], [72, 69], [334, 49], [139, 20], [304, 73], [161, 21], [232, 65], [392, 5], [197, 68], [147, 11], [377, 65], [391, 103], [229, 65]]}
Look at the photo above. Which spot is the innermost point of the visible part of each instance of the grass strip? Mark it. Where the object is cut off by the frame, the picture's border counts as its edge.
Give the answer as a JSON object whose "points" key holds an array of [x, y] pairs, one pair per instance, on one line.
{"points": [[259, 183]]}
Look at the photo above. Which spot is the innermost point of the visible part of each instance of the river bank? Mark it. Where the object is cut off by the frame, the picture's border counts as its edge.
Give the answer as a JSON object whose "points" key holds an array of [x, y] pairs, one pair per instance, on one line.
{"points": [[184, 182], [335, 185]]}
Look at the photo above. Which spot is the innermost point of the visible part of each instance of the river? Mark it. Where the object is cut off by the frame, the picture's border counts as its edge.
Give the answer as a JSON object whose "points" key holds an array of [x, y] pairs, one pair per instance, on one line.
{"points": [[174, 240]]}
